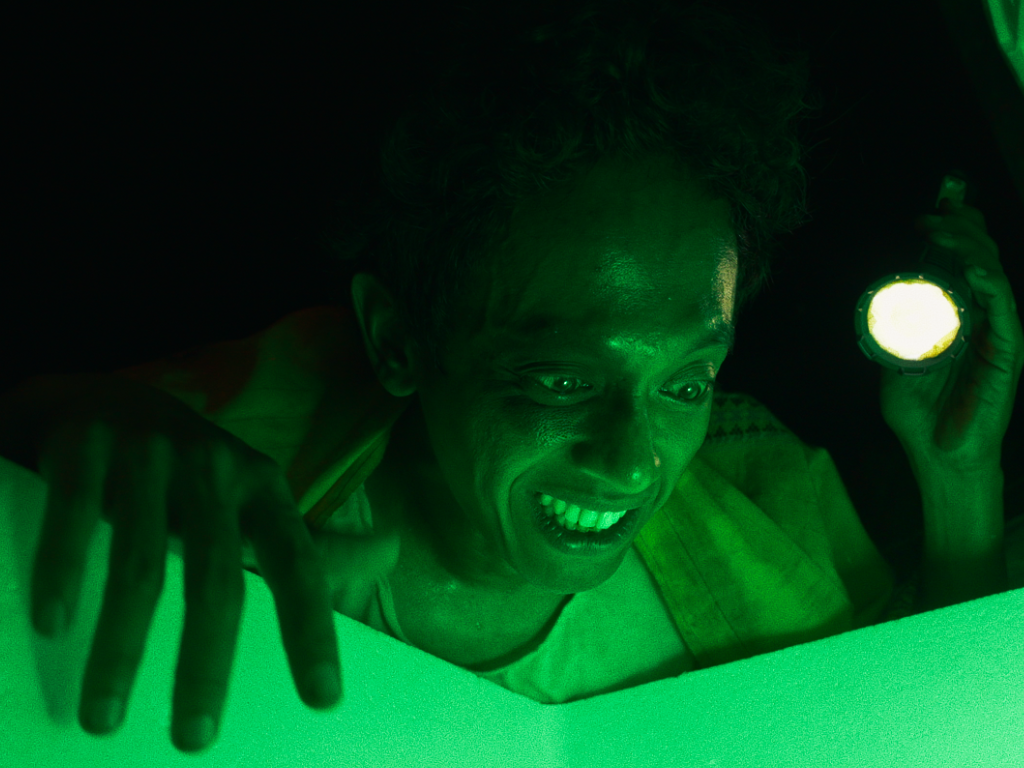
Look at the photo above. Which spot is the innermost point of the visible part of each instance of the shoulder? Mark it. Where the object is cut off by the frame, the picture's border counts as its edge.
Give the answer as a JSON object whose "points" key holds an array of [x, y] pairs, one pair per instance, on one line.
{"points": [[739, 416]]}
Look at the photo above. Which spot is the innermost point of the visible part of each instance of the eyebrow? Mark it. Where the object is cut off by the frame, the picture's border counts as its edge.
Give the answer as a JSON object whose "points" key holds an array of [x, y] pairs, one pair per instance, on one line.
{"points": [[720, 334]]}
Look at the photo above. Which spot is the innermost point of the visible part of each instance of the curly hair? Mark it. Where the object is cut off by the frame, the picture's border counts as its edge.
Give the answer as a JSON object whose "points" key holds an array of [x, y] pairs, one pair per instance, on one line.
{"points": [[535, 96]]}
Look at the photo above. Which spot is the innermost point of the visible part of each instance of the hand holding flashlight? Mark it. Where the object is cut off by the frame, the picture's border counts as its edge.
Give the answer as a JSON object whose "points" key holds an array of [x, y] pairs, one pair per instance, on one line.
{"points": [[954, 419]]}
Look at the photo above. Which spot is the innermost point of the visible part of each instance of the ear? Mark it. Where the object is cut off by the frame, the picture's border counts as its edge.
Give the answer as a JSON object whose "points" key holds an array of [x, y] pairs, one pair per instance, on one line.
{"points": [[388, 346]]}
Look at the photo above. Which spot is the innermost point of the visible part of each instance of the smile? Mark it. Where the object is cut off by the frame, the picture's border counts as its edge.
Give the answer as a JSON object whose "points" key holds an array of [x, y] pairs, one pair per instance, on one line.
{"points": [[569, 539], [574, 518]]}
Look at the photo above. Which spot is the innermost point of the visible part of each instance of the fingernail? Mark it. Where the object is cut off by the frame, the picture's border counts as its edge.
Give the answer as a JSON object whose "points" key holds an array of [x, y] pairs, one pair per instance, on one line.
{"points": [[981, 271], [53, 618], [196, 732], [105, 714], [322, 684], [942, 238]]}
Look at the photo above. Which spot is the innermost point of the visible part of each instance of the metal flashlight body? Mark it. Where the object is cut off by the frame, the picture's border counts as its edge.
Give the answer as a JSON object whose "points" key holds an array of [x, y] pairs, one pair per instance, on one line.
{"points": [[918, 319]]}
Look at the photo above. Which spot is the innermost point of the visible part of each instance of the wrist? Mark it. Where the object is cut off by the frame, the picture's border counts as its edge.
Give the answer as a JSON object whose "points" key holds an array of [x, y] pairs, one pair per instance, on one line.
{"points": [[964, 554], [963, 510], [953, 472]]}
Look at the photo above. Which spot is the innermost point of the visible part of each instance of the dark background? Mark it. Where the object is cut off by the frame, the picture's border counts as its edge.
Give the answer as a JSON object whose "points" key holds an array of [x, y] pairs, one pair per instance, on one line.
{"points": [[176, 167]]}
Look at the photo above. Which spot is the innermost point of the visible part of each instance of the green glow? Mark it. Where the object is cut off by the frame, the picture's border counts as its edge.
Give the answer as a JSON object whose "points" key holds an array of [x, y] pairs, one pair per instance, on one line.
{"points": [[1007, 20]]}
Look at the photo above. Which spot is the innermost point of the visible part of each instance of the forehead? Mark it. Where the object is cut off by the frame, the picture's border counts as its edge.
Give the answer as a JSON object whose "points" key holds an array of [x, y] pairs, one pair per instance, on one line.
{"points": [[630, 255]]}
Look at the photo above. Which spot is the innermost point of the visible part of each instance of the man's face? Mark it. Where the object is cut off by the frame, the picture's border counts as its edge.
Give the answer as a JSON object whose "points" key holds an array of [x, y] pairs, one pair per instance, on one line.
{"points": [[577, 365]]}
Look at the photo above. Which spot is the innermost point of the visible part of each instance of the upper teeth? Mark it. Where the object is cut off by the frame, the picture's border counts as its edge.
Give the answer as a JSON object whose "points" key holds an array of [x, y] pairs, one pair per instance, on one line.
{"points": [[585, 517]]}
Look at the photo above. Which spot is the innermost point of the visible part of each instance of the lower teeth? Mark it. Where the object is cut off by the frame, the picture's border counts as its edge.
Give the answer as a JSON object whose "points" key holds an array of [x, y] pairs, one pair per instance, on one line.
{"points": [[574, 527]]}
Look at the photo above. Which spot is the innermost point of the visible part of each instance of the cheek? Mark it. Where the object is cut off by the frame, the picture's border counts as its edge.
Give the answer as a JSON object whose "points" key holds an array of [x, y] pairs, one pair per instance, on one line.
{"points": [[503, 448], [536, 429], [480, 449]]}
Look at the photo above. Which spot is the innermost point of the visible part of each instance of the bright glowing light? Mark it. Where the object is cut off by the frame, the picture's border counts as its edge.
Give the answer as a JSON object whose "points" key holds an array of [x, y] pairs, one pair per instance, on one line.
{"points": [[913, 319]]}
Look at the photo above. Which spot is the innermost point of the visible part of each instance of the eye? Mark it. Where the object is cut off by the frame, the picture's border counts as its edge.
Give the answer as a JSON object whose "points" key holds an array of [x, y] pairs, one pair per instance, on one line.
{"points": [[703, 386]]}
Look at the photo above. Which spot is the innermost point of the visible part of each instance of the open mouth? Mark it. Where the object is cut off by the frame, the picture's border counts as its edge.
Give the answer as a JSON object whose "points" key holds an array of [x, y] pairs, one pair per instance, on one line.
{"points": [[572, 518], [575, 531]]}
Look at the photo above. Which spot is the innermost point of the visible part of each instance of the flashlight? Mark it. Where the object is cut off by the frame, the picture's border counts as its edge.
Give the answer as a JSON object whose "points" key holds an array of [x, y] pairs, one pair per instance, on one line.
{"points": [[918, 320]]}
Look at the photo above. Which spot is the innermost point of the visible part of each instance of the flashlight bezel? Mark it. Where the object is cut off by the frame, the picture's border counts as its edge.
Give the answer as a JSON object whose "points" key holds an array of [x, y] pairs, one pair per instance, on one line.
{"points": [[958, 292]]}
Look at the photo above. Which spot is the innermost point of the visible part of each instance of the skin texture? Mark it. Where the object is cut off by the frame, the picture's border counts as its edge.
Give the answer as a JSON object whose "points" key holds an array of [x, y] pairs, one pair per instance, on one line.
{"points": [[634, 262]]}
